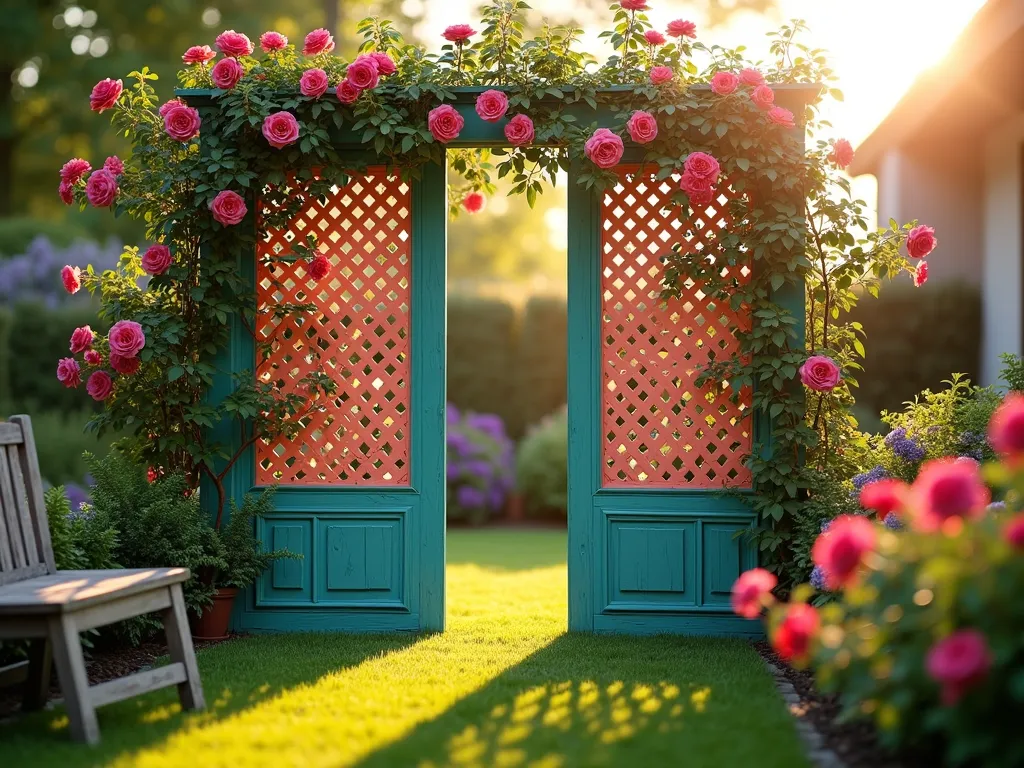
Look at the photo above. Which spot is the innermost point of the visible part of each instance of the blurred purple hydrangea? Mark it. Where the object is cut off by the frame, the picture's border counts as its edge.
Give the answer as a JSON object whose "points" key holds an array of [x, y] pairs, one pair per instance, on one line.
{"points": [[818, 579], [896, 435], [904, 447], [825, 525], [972, 445], [480, 469], [872, 475], [35, 274], [893, 522]]}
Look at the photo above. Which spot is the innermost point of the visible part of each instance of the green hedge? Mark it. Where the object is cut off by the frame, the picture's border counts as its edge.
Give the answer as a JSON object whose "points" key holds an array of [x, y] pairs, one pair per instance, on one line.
{"points": [[16, 232], [916, 337], [543, 358], [481, 358]]}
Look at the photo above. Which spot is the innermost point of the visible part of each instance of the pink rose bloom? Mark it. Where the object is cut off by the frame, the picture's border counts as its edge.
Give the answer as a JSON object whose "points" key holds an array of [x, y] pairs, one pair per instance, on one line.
{"points": [[474, 202], [318, 41], [233, 44], [820, 373], [99, 386], [313, 83], [93, 358], [1014, 532], [841, 550], [157, 259], [519, 130], [781, 116], [884, 496], [458, 33], [751, 77], [68, 372], [1006, 428], [700, 191], [167, 105], [280, 129], [346, 92], [101, 189], [198, 54], [681, 28], [72, 279], [105, 94], [273, 41], [603, 148], [921, 274], [126, 366], [946, 489], [74, 169], [445, 123], [319, 267], [363, 73], [701, 165], [114, 165], [752, 591], [634, 5], [921, 241], [842, 153], [226, 73], [958, 663], [654, 37], [385, 64], [126, 338], [228, 207], [793, 637], [182, 123], [763, 97], [491, 105], [642, 127], [724, 83], [660, 75], [81, 339], [66, 192]]}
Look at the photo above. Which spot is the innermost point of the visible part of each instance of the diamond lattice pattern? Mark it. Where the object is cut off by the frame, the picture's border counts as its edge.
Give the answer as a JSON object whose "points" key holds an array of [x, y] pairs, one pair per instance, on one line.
{"points": [[359, 335], [659, 428]]}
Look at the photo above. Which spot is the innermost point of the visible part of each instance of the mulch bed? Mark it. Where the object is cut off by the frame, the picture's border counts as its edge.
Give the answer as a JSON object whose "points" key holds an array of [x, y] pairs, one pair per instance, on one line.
{"points": [[100, 664], [855, 742]]}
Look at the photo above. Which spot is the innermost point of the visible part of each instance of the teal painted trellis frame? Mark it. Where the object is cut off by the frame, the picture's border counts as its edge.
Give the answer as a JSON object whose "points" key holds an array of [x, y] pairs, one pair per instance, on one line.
{"points": [[593, 512]]}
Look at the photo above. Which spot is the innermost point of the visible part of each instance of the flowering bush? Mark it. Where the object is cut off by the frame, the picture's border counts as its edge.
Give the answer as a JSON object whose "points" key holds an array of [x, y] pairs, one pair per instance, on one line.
{"points": [[927, 636], [542, 472], [479, 465]]}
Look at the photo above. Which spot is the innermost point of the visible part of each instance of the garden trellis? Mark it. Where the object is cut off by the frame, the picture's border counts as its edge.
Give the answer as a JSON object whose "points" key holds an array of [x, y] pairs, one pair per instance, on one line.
{"points": [[293, 331]]}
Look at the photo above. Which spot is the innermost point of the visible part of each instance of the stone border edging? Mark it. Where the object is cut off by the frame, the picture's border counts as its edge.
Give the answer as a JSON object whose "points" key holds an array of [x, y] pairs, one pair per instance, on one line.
{"points": [[818, 754]]}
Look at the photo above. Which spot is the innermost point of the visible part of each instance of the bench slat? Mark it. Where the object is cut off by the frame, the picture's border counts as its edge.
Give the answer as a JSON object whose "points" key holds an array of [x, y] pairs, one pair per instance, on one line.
{"points": [[136, 684], [10, 433], [75, 590], [10, 522]]}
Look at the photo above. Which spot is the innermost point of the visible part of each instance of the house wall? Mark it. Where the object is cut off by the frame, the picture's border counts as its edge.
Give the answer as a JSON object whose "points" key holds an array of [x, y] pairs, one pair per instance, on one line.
{"points": [[942, 189], [1002, 269]]}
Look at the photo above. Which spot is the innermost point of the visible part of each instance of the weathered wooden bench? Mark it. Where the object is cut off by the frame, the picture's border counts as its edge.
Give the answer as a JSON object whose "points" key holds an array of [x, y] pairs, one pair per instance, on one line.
{"points": [[51, 607]]}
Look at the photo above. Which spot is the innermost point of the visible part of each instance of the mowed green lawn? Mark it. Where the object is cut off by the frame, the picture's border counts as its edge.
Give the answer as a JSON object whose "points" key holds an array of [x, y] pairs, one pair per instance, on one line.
{"points": [[505, 685]]}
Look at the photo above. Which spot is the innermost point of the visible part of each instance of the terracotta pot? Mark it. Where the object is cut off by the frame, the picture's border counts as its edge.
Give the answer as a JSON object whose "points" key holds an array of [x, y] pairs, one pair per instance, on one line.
{"points": [[213, 624]]}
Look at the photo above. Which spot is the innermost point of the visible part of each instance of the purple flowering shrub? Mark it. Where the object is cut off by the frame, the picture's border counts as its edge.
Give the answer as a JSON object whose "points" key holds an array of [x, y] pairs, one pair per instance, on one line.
{"points": [[35, 274], [479, 466]]}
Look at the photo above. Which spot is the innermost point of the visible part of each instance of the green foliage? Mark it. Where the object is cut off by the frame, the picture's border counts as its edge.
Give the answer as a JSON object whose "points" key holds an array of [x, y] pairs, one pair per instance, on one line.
{"points": [[17, 233], [61, 441], [81, 539], [159, 524], [876, 639], [917, 336], [831, 496], [1013, 372], [482, 345], [542, 475], [244, 555], [543, 358]]}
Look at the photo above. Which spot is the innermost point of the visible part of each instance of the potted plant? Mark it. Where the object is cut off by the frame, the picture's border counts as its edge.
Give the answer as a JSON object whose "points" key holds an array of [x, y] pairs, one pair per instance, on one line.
{"points": [[244, 558]]}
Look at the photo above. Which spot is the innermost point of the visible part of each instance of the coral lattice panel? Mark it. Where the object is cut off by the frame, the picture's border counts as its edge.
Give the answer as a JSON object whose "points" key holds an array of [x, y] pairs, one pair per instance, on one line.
{"points": [[359, 335], [659, 429]]}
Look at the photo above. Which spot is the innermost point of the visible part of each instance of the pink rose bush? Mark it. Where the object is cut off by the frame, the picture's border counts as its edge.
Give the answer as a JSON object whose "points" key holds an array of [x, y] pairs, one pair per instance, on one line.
{"points": [[93, 358], [346, 92], [820, 373], [948, 492], [604, 149], [385, 64], [794, 636], [157, 259], [654, 37], [314, 83], [752, 592], [81, 339], [101, 189], [74, 170], [226, 73], [680, 28], [69, 373], [72, 279], [99, 386], [474, 202], [751, 77], [271, 41], [445, 123], [1006, 429], [105, 94], [519, 131], [198, 54], [842, 153], [921, 274], [634, 5], [491, 105], [317, 42], [958, 663], [700, 174], [458, 33], [181, 122], [781, 116], [724, 83], [126, 338], [66, 192], [126, 366], [233, 44], [661, 75], [921, 241], [363, 73], [763, 97], [319, 267], [114, 164], [840, 551], [228, 208], [642, 127]]}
